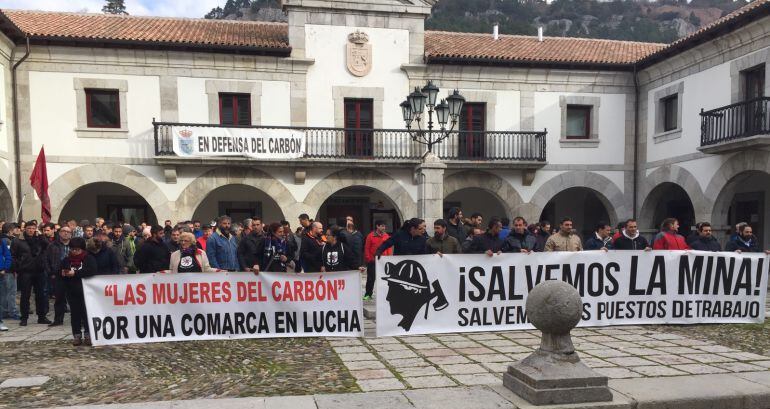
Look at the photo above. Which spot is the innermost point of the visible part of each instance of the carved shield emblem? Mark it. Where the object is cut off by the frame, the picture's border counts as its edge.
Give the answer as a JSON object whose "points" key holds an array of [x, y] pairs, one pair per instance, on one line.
{"points": [[359, 54]]}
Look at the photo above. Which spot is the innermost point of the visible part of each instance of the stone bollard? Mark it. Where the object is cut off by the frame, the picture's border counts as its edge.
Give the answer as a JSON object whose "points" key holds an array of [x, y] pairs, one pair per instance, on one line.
{"points": [[554, 374]]}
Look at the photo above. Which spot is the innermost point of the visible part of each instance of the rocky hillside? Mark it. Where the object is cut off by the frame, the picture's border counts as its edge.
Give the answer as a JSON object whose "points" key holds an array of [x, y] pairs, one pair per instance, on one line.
{"points": [[651, 21]]}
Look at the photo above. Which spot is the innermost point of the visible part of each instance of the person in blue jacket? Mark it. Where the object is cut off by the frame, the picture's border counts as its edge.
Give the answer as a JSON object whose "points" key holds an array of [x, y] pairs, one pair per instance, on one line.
{"points": [[5, 272], [222, 247]]}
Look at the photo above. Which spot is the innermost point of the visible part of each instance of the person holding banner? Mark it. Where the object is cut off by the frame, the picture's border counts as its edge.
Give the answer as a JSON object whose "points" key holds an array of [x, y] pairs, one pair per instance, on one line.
{"points": [[153, 255], [221, 247], [77, 265], [408, 241], [489, 243], [602, 239], [565, 239], [442, 243], [669, 238], [705, 241], [630, 239], [189, 258], [336, 255], [745, 242], [520, 240]]}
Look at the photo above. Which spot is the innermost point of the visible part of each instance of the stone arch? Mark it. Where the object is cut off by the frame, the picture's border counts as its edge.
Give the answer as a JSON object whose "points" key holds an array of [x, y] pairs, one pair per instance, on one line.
{"points": [[722, 190], [489, 182], [405, 205], [652, 190], [195, 192], [608, 193], [7, 196], [63, 188]]}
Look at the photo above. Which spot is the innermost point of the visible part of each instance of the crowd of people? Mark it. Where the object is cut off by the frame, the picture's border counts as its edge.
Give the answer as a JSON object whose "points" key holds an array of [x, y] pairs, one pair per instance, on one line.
{"points": [[50, 260]]}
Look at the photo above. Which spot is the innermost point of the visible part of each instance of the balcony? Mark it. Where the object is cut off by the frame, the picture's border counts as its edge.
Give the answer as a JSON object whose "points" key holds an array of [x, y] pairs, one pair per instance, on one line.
{"points": [[333, 146], [744, 125]]}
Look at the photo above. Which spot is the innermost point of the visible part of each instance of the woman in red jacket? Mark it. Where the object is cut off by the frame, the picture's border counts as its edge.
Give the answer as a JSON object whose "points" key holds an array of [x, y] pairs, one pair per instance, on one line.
{"points": [[373, 242], [668, 238]]}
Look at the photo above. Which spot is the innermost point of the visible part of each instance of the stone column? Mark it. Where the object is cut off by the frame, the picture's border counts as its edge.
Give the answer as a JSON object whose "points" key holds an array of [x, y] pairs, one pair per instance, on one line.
{"points": [[430, 189]]}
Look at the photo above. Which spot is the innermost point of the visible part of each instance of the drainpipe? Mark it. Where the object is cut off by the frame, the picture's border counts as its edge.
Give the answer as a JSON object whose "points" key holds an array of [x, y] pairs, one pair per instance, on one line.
{"points": [[636, 140], [16, 137]]}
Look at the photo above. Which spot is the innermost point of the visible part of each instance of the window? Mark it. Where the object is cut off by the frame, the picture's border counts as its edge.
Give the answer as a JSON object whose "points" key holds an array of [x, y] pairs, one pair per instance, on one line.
{"points": [[359, 120], [472, 127], [670, 106], [754, 80], [578, 122], [234, 109], [102, 108]]}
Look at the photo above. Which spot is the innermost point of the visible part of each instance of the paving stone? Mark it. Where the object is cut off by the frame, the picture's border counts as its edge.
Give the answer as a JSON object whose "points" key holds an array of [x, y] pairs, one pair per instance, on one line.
{"points": [[763, 364], [356, 365], [597, 363], [389, 384], [671, 359], [709, 358], [391, 347], [438, 352], [351, 350], [494, 343], [519, 357], [739, 367], [371, 374], [607, 353], [521, 335], [418, 371], [383, 340], [497, 367], [512, 349], [25, 382], [414, 339], [478, 379], [450, 338], [276, 402], [474, 351], [463, 369], [654, 343], [679, 350], [436, 381], [718, 349], [427, 345], [629, 361], [664, 336], [656, 370], [617, 372], [397, 354], [528, 341], [368, 356], [484, 337], [462, 344], [688, 342], [446, 360], [489, 358], [457, 398], [599, 339], [744, 356], [344, 342], [633, 337], [407, 362], [699, 369], [390, 400], [642, 351]]}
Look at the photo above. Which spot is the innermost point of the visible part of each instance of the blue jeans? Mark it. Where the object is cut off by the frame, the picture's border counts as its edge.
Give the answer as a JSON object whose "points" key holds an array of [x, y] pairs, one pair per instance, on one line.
{"points": [[8, 308]]}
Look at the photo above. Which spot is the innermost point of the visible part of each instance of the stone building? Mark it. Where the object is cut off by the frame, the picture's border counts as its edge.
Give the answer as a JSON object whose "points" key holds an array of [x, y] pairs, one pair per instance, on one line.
{"points": [[551, 127]]}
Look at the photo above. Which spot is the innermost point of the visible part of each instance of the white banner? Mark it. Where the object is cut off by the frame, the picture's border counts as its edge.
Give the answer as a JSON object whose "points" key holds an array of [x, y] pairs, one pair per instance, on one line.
{"points": [[474, 292], [261, 143], [125, 309]]}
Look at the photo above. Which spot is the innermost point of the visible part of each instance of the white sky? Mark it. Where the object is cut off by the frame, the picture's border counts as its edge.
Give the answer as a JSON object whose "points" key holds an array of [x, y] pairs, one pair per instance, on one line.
{"points": [[169, 8]]}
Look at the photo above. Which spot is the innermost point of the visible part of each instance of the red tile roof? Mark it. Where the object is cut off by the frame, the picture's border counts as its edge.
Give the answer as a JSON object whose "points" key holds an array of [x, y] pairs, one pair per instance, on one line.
{"points": [[158, 30], [447, 46]]}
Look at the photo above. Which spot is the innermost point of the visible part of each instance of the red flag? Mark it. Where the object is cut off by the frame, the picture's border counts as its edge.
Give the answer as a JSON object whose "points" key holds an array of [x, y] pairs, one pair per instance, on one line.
{"points": [[39, 181]]}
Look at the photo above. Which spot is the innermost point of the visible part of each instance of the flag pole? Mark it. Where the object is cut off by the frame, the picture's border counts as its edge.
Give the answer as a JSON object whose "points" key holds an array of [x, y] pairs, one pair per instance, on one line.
{"points": [[18, 213]]}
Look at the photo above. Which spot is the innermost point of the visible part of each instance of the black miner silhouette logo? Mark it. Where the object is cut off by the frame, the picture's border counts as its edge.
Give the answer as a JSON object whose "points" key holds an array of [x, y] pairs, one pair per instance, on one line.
{"points": [[408, 291]]}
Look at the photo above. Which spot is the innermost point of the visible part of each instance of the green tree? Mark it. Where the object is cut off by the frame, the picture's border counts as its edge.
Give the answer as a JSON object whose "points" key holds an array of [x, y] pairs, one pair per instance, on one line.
{"points": [[115, 7]]}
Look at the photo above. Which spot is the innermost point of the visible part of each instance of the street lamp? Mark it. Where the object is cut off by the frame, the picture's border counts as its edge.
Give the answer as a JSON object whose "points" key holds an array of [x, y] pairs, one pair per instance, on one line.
{"points": [[447, 112]]}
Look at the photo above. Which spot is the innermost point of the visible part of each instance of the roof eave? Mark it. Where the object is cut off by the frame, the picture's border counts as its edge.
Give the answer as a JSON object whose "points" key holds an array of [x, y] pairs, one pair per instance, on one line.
{"points": [[496, 62]]}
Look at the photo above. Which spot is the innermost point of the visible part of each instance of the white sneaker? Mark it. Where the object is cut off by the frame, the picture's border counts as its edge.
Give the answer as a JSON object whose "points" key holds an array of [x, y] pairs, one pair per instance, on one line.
{"points": [[3, 327]]}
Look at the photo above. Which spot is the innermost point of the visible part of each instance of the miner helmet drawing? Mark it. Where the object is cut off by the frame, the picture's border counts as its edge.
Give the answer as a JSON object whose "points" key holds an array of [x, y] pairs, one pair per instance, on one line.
{"points": [[409, 290]]}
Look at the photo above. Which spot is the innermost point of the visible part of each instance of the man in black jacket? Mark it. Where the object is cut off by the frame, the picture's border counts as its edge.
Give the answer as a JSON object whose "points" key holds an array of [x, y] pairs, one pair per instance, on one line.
{"points": [[27, 252], [455, 226], [153, 256], [743, 242], [53, 261], [489, 243], [705, 240], [249, 258], [630, 239], [311, 248], [408, 241]]}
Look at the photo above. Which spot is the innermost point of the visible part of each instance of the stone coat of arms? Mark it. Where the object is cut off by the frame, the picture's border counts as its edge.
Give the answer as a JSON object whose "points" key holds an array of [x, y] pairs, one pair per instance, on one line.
{"points": [[359, 54]]}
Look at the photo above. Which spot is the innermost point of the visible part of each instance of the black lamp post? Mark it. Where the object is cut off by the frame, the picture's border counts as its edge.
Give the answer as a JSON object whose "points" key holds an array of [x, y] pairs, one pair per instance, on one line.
{"points": [[447, 111]]}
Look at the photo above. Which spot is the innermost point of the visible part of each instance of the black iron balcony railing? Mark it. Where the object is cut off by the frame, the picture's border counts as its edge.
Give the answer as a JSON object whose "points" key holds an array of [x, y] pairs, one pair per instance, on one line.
{"points": [[736, 121], [391, 144]]}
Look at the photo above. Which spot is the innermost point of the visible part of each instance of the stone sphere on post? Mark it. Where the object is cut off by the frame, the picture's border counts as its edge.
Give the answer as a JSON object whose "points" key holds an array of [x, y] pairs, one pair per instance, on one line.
{"points": [[555, 308]]}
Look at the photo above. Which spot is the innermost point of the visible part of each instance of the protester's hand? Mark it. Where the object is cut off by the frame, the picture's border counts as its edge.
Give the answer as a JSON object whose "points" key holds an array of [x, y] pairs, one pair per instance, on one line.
{"points": [[525, 251], [604, 249], [125, 270], [362, 269], [2, 273], [283, 258], [648, 249], [440, 254], [378, 255], [499, 252], [489, 253], [323, 269], [738, 251], [255, 270], [767, 252]]}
